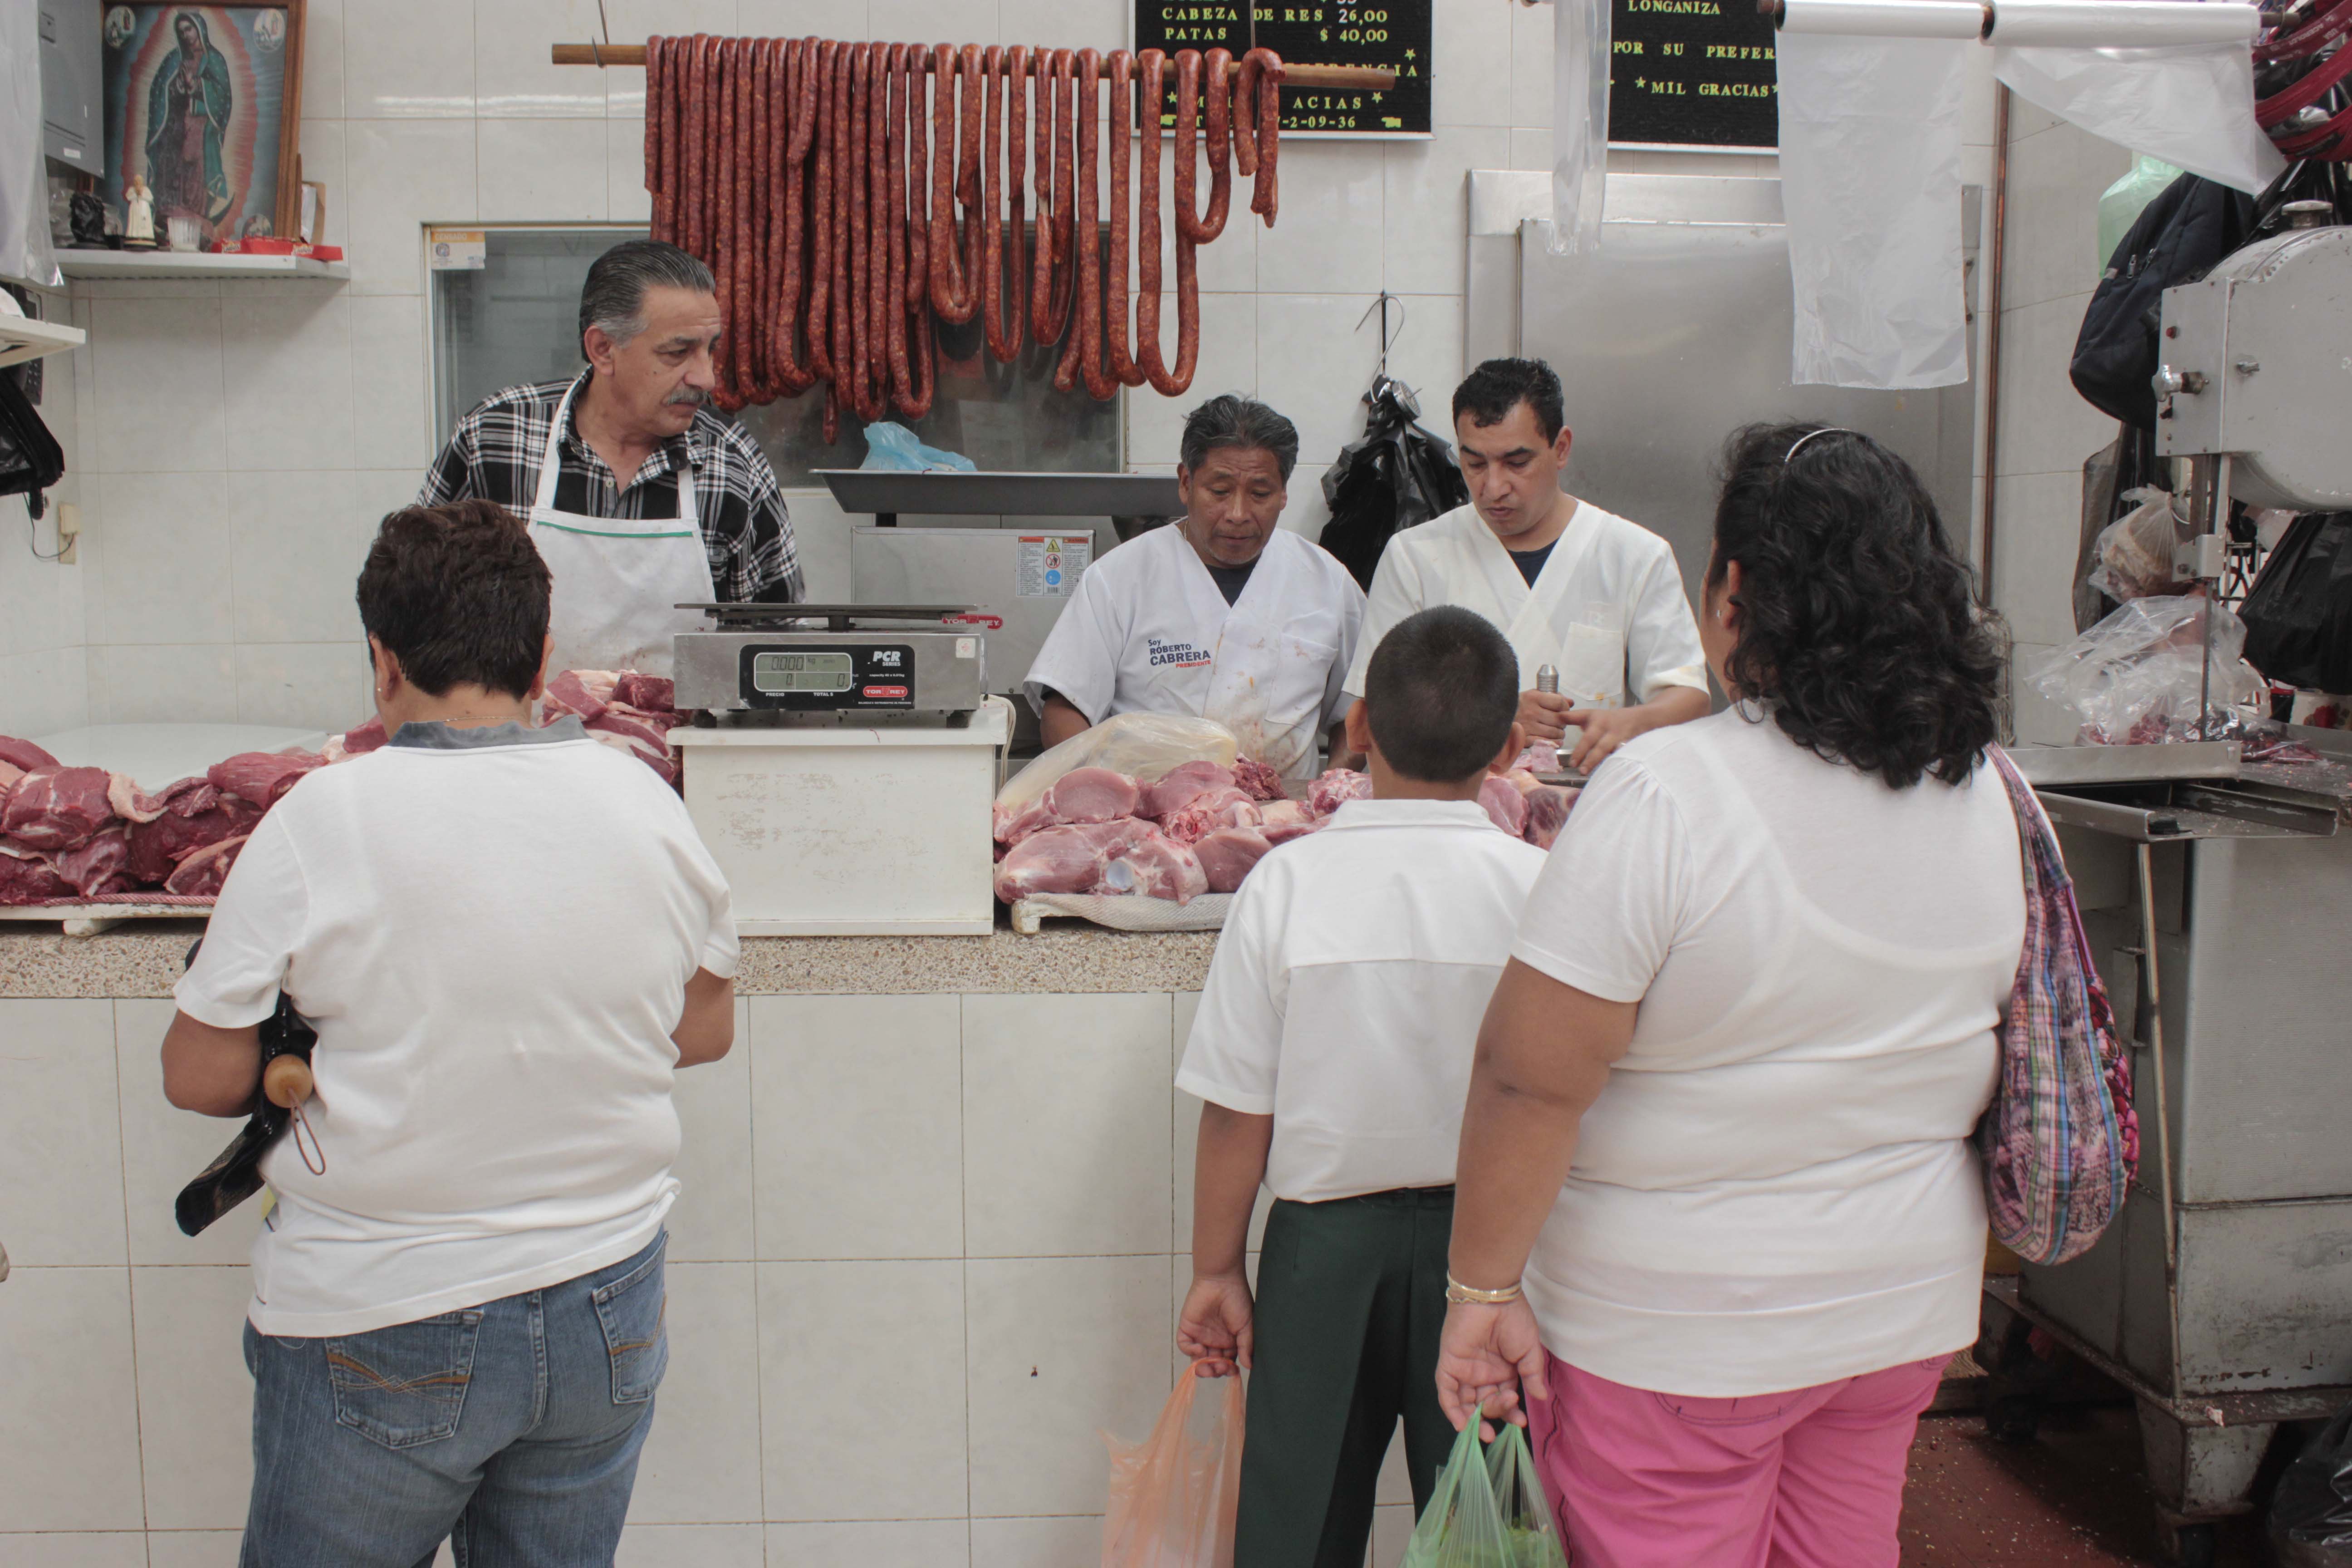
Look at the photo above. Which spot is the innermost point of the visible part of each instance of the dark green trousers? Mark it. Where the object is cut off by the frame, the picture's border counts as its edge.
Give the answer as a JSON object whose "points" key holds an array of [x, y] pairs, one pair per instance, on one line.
{"points": [[1350, 1300]]}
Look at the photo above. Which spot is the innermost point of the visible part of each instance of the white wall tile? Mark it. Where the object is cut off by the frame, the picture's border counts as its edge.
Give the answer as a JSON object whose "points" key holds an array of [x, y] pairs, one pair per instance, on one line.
{"points": [[324, 146], [1227, 362], [894, 1543], [711, 1221], [1531, 66], [287, 377], [821, 532], [1064, 24], [1471, 69], [935, 21], [857, 1126], [157, 371], [2039, 532], [2045, 426], [321, 686], [386, 490], [861, 1390], [81, 1549], [1532, 148], [1307, 512], [297, 543], [1098, 1071], [196, 1398], [194, 1548], [1328, 236], [514, 79], [1425, 205], [2055, 180], [1069, 1540], [691, 1546], [389, 425], [133, 683], [166, 577], [69, 1426], [1316, 355], [413, 60], [323, 58], [403, 175], [542, 171], [701, 1461], [44, 692], [60, 1140], [163, 1148], [1062, 1348], [626, 200]]}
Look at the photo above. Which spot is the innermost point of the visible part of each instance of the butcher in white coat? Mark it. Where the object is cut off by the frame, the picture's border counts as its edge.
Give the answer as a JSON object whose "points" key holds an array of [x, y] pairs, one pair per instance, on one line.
{"points": [[1598, 598], [1220, 615]]}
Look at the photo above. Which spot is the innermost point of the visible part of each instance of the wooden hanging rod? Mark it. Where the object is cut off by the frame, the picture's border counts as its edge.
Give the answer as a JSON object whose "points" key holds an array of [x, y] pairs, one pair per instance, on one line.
{"points": [[1372, 78]]}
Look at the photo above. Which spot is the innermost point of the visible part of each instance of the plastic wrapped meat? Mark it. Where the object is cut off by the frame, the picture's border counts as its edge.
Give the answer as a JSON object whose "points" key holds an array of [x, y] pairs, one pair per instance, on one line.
{"points": [[1258, 780], [99, 868], [55, 809], [1091, 795], [1229, 855], [1180, 787], [26, 878], [1154, 867], [261, 777], [1280, 821], [202, 873], [1548, 809], [1504, 803], [195, 814], [1335, 788]]}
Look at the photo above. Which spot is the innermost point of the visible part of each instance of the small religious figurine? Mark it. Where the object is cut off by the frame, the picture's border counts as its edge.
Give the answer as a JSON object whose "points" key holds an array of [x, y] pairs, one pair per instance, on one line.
{"points": [[139, 215]]}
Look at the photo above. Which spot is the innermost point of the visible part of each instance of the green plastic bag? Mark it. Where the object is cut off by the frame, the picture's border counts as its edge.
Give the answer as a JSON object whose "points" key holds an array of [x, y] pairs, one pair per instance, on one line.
{"points": [[1489, 1510], [2120, 203]]}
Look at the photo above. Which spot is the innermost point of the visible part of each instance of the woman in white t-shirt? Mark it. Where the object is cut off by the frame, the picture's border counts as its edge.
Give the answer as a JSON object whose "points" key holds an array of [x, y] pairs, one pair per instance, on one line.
{"points": [[1718, 1212]]}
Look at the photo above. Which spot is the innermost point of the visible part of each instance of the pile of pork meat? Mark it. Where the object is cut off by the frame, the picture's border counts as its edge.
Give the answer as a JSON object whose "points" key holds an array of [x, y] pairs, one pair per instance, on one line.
{"points": [[1201, 827], [84, 835]]}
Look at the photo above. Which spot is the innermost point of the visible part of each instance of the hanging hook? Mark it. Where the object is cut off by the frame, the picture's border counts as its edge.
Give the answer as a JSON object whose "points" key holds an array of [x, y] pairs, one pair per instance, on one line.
{"points": [[1388, 340], [594, 49]]}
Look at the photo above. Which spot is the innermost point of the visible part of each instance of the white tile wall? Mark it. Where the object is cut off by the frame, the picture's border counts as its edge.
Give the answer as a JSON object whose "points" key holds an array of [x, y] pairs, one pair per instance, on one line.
{"points": [[94, 1549], [62, 1166], [69, 1426], [701, 1461]]}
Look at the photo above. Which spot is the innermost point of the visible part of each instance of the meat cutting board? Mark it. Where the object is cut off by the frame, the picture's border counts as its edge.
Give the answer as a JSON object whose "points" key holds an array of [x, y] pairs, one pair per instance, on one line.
{"points": [[158, 754]]}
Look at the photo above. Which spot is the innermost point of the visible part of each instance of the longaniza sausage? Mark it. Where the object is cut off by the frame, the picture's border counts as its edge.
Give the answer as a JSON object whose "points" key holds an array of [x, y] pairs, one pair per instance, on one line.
{"points": [[844, 309], [1194, 226], [853, 386], [760, 302], [1052, 284], [1016, 242], [879, 302], [953, 293], [692, 103], [720, 256], [745, 263], [1244, 111], [820, 213], [992, 244], [1089, 335], [892, 296], [917, 301], [654, 50], [1123, 367], [1263, 193], [1149, 364]]}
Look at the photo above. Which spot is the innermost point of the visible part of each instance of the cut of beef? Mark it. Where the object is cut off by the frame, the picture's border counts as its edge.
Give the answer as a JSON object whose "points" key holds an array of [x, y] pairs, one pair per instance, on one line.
{"points": [[26, 878], [1010, 828], [640, 734], [1210, 813], [1067, 858], [1335, 789], [195, 814], [1091, 795], [201, 874], [1258, 780], [130, 802], [99, 868], [1229, 855], [1548, 809], [356, 742], [1504, 803], [54, 808], [654, 693], [261, 777], [582, 691], [23, 755], [1181, 785], [1154, 867]]}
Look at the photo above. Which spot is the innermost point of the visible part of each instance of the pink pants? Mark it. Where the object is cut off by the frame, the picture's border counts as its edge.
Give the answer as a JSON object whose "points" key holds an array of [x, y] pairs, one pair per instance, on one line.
{"points": [[1811, 1479]]}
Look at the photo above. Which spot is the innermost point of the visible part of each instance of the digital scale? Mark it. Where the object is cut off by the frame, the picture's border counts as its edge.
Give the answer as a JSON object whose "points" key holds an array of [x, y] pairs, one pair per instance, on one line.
{"points": [[834, 663]]}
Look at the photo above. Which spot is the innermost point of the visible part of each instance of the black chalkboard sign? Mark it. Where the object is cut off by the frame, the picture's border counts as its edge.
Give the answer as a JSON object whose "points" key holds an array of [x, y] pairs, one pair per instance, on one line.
{"points": [[1390, 33], [1693, 73]]}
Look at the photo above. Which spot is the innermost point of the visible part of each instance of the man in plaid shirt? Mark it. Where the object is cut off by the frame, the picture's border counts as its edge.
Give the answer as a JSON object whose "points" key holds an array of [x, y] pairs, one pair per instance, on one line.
{"points": [[649, 323]]}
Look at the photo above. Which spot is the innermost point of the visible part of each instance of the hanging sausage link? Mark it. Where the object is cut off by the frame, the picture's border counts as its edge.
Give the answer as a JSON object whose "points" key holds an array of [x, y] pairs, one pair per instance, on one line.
{"points": [[1052, 283]]}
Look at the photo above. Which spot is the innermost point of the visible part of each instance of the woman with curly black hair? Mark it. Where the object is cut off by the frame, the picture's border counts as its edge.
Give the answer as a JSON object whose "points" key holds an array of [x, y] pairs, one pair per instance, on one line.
{"points": [[1718, 1217]]}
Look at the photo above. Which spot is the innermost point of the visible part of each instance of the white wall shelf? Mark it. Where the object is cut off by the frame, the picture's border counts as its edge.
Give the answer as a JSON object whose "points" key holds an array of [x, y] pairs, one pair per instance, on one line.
{"points": [[22, 338], [195, 264]]}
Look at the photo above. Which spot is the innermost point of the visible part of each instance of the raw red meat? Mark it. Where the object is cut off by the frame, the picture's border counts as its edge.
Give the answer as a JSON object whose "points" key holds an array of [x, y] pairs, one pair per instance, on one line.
{"points": [[1548, 808], [195, 814], [130, 802], [1210, 813], [1229, 855], [101, 867], [54, 808], [1335, 788], [1540, 757], [1155, 868], [1011, 827], [261, 777], [1504, 803], [26, 878], [1091, 795], [1067, 858], [9, 775], [202, 873], [356, 742], [1182, 784], [23, 755], [654, 693], [582, 691], [654, 751], [1258, 780], [1283, 820]]}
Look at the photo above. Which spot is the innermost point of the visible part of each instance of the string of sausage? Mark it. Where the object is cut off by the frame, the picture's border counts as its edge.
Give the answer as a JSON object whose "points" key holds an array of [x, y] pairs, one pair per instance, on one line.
{"points": [[835, 226]]}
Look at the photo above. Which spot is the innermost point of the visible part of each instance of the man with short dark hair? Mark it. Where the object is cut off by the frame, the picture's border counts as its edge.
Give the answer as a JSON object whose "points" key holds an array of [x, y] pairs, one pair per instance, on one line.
{"points": [[1333, 1046], [1593, 596], [507, 939], [638, 493], [1223, 615]]}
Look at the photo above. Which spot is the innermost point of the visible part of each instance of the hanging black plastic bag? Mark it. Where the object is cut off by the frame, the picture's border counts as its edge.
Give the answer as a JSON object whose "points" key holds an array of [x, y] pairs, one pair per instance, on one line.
{"points": [[1397, 477], [2178, 238], [30, 458], [234, 1173], [2299, 616], [2311, 1515]]}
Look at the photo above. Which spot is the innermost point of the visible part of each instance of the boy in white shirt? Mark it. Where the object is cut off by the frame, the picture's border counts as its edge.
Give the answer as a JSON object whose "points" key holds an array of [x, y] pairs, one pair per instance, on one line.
{"points": [[1333, 1046]]}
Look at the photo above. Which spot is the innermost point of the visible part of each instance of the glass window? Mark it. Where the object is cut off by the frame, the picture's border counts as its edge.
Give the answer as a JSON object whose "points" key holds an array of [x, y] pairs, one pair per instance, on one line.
{"points": [[515, 319]]}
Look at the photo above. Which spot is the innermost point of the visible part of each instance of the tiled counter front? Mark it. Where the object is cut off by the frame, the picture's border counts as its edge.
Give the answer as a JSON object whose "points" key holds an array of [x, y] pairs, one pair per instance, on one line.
{"points": [[931, 1242]]}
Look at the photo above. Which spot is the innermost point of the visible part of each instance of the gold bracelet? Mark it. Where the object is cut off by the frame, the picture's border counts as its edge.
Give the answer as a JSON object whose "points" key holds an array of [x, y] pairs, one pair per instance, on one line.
{"points": [[1470, 1295]]}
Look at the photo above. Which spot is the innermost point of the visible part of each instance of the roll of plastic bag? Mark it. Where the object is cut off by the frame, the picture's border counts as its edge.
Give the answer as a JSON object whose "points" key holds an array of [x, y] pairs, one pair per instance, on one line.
{"points": [[24, 249], [1870, 184], [1580, 121]]}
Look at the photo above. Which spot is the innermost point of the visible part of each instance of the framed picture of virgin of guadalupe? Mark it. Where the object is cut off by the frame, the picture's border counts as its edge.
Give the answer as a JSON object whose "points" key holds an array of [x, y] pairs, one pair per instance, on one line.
{"points": [[204, 104]]}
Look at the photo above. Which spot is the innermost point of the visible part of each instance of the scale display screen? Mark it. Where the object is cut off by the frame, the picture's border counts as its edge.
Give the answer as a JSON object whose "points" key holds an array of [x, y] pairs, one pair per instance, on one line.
{"points": [[813, 672]]}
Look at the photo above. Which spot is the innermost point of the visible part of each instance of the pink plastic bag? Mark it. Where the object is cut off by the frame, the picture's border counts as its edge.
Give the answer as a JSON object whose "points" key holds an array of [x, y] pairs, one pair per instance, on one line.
{"points": [[1172, 1495]]}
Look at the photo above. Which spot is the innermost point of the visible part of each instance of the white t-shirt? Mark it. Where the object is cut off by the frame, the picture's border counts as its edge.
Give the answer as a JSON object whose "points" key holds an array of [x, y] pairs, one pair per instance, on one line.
{"points": [[1345, 997], [1775, 1189], [491, 931]]}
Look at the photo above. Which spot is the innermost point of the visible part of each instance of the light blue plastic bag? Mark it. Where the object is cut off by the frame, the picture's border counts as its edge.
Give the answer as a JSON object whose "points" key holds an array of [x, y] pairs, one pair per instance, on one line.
{"points": [[897, 450]]}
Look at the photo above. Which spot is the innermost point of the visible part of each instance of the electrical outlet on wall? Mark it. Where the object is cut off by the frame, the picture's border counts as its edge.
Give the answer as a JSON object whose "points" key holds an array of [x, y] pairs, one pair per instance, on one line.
{"points": [[69, 534]]}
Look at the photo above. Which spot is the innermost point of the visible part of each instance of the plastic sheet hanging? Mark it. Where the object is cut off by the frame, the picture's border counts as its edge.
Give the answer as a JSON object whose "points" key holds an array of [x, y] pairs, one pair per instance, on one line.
{"points": [[25, 248], [1579, 119], [1870, 184]]}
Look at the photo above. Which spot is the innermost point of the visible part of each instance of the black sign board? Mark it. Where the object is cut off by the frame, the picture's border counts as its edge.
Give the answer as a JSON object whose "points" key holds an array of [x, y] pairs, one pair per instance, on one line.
{"points": [[1391, 34], [1693, 73]]}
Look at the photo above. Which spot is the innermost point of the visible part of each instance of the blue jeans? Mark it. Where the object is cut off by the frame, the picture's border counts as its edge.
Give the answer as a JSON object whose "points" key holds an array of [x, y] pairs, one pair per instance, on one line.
{"points": [[511, 1429]]}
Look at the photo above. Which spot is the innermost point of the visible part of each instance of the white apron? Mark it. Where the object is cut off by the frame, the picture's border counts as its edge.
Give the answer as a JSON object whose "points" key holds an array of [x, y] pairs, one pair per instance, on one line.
{"points": [[1584, 641], [618, 579]]}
